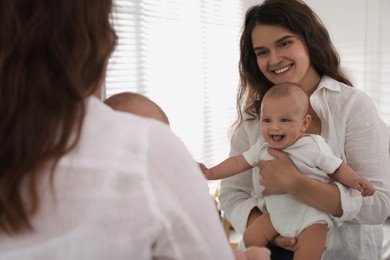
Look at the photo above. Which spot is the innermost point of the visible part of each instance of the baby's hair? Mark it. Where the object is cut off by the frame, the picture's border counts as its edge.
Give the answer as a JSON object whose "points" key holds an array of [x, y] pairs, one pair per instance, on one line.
{"points": [[288, 89], [136, 104]]}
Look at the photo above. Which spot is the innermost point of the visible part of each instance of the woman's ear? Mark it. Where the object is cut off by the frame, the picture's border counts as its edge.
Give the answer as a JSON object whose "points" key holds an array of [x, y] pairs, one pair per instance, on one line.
{"points": [[306, 122]]}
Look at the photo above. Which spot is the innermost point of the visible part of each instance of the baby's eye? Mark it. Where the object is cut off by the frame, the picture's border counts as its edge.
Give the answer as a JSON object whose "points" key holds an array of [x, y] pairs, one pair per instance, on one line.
{"points": [[284, 120], [266, 120]]}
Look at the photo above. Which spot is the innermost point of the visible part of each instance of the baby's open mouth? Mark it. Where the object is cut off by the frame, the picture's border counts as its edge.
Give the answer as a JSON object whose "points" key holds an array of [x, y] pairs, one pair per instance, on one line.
{"points": [[277, 138]]}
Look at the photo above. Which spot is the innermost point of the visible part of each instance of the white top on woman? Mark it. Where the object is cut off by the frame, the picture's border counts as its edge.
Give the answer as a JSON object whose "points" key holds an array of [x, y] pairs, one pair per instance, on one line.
{"points": [[130, 190], [352, 128]]}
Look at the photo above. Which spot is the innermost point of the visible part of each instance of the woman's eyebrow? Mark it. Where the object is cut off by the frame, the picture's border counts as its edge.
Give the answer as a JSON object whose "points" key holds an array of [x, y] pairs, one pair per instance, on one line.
{"points": [[277, 41], [284, 38]]}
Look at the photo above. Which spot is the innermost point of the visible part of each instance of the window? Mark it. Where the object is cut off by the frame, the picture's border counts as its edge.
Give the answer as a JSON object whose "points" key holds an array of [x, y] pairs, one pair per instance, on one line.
{"points": [[369, 59], [184, 56]]}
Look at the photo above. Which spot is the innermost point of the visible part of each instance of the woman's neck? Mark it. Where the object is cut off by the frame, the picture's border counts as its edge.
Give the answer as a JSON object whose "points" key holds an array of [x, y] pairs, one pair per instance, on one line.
{"points": [[310, 82]]}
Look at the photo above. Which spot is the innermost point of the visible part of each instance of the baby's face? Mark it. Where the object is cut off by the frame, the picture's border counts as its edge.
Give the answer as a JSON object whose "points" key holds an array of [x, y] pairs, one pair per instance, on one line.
{"points": [[282, 122]]}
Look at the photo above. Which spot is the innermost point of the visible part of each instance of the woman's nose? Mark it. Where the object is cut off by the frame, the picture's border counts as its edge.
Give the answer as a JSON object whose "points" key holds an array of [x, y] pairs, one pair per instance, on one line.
{"points": [[274, 58]]}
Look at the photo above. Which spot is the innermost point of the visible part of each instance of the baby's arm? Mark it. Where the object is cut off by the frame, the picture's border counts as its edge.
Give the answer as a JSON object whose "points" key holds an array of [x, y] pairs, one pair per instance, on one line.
{"points": [[347, 176], [229, 167]]}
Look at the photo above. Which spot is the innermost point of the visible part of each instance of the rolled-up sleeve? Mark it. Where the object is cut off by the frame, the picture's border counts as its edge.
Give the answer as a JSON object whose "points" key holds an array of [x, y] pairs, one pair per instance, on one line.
{"points": [[367, 152], [351, 202]]}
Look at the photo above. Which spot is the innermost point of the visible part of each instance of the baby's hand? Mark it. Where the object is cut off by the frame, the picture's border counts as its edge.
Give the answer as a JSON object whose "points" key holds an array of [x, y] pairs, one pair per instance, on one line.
{"points": [[206, 171], [365, 187]]}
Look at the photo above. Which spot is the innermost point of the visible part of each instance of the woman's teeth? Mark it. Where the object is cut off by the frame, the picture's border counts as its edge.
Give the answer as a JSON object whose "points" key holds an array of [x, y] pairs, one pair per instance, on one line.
{"points": [[282, 69]]}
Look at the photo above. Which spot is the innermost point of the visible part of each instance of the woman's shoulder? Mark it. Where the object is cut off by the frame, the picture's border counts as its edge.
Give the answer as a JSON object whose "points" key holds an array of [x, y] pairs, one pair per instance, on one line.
{"points": [[333, 85], [112, 124], [118, 135], [342, 96]]}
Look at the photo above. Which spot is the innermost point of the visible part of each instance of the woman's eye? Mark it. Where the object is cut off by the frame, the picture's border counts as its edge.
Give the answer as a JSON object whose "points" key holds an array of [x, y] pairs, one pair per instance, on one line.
{"points": [[260, 53], [286, 43]]}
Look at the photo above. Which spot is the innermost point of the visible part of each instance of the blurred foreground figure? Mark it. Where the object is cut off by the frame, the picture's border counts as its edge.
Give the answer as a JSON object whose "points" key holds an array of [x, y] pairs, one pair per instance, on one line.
{"points": [[77, 179]]}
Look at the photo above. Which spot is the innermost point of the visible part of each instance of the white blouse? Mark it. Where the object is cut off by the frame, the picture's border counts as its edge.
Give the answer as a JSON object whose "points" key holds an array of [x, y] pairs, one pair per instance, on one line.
{"points": [[356, 134], [130, 190]]}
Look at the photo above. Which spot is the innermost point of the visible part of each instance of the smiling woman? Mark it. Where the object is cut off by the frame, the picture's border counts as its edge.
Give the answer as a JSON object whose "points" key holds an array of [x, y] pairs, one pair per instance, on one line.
{"points": [[285, 41]]}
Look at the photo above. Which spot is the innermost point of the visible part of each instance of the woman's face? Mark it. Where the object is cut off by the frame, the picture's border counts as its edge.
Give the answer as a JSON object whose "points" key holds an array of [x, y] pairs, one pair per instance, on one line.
{"points": [[282, 56]]}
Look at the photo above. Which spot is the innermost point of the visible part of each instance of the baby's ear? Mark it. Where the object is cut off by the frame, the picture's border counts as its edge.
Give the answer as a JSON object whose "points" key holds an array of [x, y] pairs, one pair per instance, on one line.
{"points": [[306, 122]]}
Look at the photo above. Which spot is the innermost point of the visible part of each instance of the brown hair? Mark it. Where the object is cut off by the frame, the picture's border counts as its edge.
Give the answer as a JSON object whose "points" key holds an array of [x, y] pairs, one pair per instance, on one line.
{"points": [[53, 55], [296, 16]]}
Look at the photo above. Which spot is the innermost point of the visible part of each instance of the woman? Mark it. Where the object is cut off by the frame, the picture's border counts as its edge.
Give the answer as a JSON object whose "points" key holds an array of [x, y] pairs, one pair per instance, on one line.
{"points": [[78, 180], [284, 41]]}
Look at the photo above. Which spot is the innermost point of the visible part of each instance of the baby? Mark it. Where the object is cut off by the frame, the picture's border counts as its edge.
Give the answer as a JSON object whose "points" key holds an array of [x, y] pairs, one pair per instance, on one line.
{"points": [[136, 104], [284, 120]]}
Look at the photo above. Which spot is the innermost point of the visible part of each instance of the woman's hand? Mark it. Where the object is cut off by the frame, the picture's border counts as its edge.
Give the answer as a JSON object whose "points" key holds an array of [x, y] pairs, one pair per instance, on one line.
{"points": [[253, 253], [279, 175], [287, 243]]}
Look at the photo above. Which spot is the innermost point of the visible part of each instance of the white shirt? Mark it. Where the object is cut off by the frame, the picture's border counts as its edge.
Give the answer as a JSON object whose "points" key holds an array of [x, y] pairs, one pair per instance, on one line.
{"points": [[352, 128], [130, 190]]}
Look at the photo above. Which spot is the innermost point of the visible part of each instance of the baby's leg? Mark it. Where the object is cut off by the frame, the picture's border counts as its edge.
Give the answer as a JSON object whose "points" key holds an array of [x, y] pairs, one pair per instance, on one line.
{"points": [[260, 232], [311, 242]]}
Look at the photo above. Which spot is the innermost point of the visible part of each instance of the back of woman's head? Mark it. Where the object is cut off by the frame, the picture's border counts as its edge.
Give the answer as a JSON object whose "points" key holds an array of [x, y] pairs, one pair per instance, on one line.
{"points": [[53, 54], [299, 18]]}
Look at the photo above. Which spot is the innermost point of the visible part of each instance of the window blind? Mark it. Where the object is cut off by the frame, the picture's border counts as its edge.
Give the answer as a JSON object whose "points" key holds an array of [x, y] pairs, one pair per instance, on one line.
{"points": [[369, 60], [363, 42], [184, 56]]}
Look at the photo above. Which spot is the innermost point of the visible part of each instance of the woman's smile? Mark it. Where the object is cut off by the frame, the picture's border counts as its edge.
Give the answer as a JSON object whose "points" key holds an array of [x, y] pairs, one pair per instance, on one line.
{"points": [[282, 70]]}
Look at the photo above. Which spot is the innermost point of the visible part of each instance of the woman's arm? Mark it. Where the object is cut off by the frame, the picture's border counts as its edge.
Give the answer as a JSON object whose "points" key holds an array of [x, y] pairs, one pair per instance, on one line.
{"points": [[367, 153]]}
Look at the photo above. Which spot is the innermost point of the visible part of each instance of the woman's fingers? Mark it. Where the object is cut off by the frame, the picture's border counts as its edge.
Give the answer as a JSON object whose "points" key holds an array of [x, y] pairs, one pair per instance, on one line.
{"points": [[285, 242]]}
